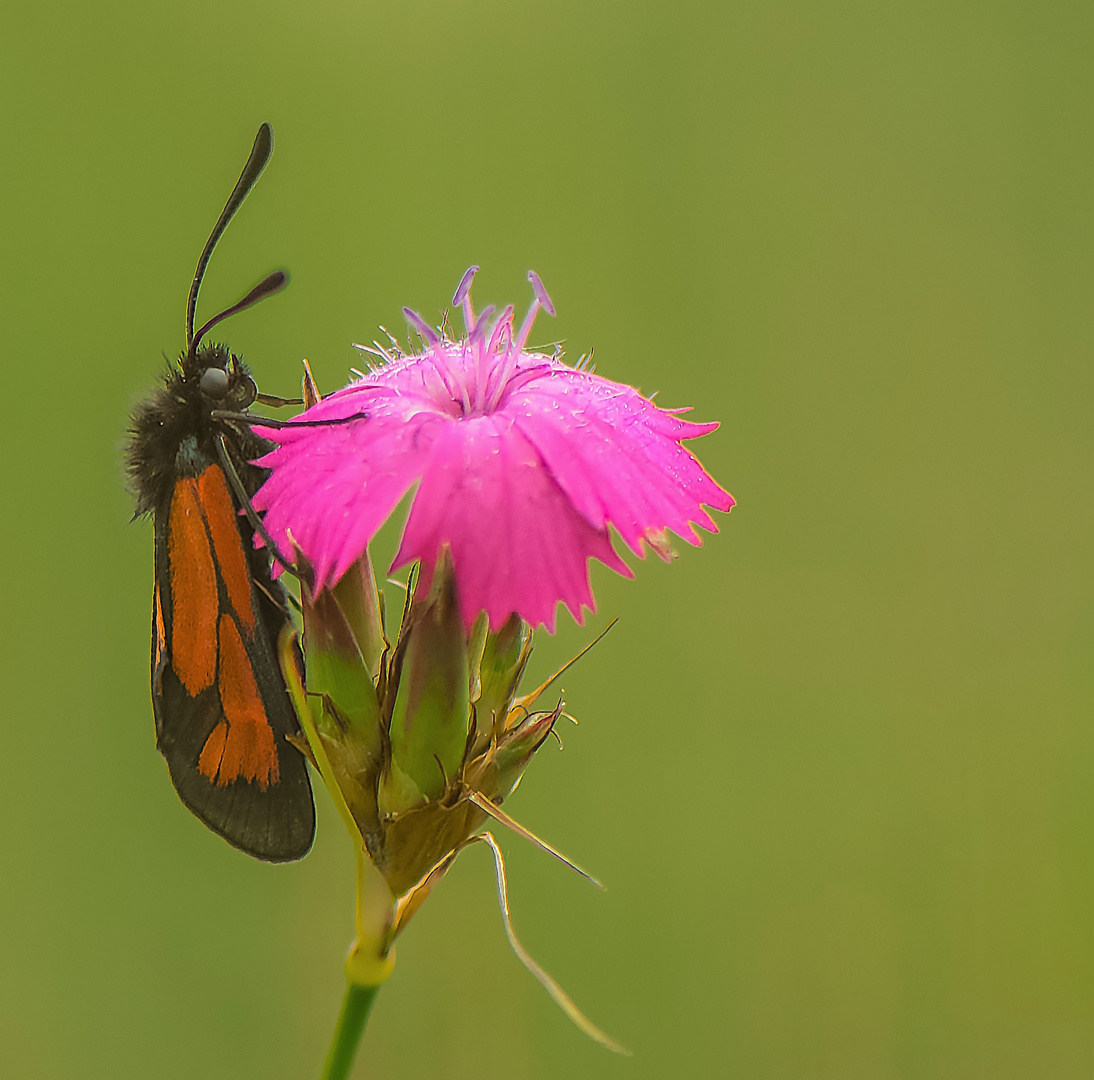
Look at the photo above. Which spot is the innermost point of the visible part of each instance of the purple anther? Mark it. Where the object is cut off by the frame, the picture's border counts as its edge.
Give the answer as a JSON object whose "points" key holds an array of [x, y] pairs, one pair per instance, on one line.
{"points": [[421, 326], [541, 293], [464, 286]]}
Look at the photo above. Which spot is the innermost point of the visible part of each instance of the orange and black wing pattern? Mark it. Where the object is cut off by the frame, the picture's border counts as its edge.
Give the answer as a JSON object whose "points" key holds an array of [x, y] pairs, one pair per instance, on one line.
{"points": [[222, 712]]}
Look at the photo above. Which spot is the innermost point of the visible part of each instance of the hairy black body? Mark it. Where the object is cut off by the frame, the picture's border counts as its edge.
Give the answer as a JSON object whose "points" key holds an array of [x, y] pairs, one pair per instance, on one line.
{"points": [[180, 412]]}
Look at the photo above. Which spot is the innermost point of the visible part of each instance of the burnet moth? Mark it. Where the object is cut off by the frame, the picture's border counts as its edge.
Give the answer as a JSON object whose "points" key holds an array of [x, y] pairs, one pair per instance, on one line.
{"points": [[223, 717]]}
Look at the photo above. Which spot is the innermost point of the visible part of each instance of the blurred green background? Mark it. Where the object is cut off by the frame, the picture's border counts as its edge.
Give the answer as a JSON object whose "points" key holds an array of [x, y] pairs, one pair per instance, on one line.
{"points": [[835, 766]]}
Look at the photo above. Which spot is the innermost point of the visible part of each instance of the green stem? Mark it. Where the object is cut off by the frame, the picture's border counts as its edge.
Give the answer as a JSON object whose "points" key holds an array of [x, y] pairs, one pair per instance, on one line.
{"points": [[347, 1033]]}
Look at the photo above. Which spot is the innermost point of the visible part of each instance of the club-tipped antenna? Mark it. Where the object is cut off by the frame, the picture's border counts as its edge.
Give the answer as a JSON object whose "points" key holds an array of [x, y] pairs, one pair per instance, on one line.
{"points": [[275, 282], [260, 154]]}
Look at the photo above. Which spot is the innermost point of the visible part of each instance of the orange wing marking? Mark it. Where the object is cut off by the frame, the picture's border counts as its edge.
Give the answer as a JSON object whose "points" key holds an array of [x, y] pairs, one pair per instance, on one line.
{"points": [[242, 744], [194, 601], [157, 615], [159, 639], [220, 514]]}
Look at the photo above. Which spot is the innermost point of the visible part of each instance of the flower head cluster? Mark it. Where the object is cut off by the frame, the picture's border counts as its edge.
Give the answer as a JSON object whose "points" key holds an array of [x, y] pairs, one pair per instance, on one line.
{"points": [[522, 462]]}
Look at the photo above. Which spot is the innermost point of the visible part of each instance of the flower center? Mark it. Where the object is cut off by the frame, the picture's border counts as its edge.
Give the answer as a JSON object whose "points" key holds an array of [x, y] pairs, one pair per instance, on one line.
{"points": [[477, 370]]}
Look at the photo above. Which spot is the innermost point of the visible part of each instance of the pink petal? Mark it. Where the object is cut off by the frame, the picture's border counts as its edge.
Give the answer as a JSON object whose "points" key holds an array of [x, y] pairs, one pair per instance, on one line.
{"points": [[517, 544], [617, 455], [333, 487]]}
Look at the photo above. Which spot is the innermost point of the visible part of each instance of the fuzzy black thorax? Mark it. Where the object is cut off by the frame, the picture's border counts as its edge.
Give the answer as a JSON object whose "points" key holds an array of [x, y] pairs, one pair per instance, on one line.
{"points": [[173, 431]]}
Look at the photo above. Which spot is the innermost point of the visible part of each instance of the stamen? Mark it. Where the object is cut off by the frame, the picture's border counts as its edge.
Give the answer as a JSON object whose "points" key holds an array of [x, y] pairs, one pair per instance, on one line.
{"points": [[504, 323], [423, 328], [540, 300], [456, 392], [461, 380], [462, 297], [499, 378], [439, 367], [541, 293], [474, 342], [480, 326]]}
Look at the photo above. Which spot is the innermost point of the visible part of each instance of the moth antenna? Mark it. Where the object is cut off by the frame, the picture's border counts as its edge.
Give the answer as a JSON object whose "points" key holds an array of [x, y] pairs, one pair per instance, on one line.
{"points": [[269, 285], [260, 154]]}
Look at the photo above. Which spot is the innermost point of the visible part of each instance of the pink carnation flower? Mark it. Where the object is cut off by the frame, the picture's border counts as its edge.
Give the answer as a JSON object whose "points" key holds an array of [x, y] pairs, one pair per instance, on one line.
{"points": [[522, 463]]}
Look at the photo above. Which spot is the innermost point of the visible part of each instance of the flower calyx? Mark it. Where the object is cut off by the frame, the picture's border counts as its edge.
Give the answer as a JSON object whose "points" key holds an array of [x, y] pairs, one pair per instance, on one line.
{"points": [[415, 738]]}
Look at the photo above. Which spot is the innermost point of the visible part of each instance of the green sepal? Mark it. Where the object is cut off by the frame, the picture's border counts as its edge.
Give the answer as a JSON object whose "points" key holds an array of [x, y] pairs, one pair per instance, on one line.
{"points": [[428, 729], [359, 600], [516, 749], [476, 642], [288, 656], [504, 657], [337, 671], [343, 701]]}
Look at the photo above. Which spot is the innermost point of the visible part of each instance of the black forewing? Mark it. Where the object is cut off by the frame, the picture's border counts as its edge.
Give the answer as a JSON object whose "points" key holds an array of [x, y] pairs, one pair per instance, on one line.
{"points": [[276, 824]]}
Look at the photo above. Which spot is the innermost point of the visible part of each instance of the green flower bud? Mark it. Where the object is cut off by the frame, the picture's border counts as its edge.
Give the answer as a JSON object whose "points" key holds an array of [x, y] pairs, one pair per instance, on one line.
{"points": [[342, 697], [429, 718]]}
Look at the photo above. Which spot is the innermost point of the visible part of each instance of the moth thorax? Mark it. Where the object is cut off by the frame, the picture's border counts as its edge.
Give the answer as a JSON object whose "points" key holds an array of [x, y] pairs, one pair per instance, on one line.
{"points": [[189, 459]]}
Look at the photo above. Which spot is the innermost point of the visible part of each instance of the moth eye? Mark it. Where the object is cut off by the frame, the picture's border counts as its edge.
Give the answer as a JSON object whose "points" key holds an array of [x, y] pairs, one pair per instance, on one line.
{"points": [[214, 382]]}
